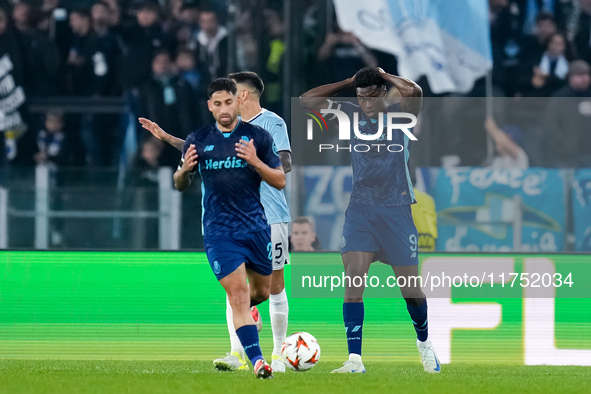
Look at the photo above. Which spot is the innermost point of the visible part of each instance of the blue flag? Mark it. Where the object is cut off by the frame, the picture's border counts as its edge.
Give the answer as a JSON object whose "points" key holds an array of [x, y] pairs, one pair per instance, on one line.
{"points": [[448, 41]]}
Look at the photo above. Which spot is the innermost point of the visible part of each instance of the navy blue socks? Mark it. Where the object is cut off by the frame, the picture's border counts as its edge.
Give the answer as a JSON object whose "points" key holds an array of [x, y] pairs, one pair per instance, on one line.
{"points": [[353, 314], [249, 337], [418, 314]]}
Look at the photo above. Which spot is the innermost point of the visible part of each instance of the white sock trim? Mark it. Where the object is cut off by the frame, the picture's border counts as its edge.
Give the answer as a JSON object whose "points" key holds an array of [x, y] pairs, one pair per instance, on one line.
{"points": [[355, 357]]}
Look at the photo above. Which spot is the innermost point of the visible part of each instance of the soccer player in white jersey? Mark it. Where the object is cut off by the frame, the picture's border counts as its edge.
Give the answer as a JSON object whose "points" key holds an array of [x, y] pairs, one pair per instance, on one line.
{"points": [[250, 87]]}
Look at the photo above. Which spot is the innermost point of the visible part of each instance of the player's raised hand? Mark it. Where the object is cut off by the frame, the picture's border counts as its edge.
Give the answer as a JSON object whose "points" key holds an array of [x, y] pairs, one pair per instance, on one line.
{"points": [[153, 128], [246, 150], [190, 159]]}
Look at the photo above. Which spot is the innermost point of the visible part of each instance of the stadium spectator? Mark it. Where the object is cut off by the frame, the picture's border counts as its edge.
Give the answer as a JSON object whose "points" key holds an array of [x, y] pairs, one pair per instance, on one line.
{"points": [[56, 146], [21, 15], [144, 38], [54, 24], [532, 49], [509, 155], [582, 37], [272, 74], [530, 9], [549, 74], [149, 160], [211, 45], [183, 22], [110, 47], [568, 120], [91, 72], [41, 58], [175, 9], [86, 64], [247, 47], [303, 235], [342, 54], [534, 46], [144, 180], [169, 101], [114, 15], [185, 64]]}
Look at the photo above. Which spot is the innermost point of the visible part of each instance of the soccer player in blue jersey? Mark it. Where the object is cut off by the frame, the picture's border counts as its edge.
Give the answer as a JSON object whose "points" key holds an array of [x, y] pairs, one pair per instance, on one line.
{"points": [[378, 222], [250, 87], [233, 158]]}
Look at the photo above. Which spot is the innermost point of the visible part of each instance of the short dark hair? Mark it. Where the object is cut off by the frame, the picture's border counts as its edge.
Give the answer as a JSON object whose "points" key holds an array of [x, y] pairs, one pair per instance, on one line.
{"points": [[221, 85], [189, 6], [149, 5], [544, 16], [209, 10], [305, 220], [369, 76], [102, 2], [249, 78], [160, 52], [82, 11], [55, 113]]}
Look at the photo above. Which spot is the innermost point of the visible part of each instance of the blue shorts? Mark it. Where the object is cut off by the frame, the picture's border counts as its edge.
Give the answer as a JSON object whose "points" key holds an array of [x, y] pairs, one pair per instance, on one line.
{"points": [[225, 254], [390, 232]]}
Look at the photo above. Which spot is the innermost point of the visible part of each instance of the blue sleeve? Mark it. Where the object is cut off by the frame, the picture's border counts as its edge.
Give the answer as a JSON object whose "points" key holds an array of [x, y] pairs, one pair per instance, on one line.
{"points": [[190, 140], [278, 130], [267, 151]]}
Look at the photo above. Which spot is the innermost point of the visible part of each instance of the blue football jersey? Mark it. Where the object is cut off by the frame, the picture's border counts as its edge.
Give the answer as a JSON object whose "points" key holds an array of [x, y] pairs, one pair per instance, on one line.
{"points": [[274, 200], [231, 199], [380, 178]]}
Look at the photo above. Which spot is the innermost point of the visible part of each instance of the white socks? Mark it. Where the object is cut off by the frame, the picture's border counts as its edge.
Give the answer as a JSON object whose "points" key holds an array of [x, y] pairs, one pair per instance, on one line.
{"points": [[355, 357], [236, 346], [278, 309]]}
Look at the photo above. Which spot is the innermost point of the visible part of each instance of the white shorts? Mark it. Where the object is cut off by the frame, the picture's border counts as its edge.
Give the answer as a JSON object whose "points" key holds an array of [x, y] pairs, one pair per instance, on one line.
{"points": [[280, 245]]}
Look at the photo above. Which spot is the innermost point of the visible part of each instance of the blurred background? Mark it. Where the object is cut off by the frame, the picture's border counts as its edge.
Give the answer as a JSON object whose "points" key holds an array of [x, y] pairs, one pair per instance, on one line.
{"points": [[504, 156]]}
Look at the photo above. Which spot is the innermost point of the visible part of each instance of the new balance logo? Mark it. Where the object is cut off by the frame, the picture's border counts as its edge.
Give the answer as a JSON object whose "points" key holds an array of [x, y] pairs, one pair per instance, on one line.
{"points": [[208, 148]]}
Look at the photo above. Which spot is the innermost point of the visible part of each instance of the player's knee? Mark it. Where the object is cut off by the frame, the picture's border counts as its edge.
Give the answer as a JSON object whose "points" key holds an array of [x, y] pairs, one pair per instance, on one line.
{"points": [[239, 299], [260, 294], [277, 288], [412, 293]]}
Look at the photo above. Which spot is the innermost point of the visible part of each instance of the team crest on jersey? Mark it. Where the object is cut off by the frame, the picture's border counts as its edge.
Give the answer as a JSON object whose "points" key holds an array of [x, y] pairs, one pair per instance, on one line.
{"points": [[216, 267], [245, 138]]}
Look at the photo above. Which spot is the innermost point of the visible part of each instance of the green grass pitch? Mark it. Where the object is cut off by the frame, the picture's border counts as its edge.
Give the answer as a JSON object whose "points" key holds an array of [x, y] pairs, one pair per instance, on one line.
{"points": [[153, 323], [199, 377]]}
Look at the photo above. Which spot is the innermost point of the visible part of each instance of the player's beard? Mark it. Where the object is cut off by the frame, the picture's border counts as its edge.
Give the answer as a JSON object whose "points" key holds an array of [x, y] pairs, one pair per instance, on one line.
{"points": [[226, 119]]}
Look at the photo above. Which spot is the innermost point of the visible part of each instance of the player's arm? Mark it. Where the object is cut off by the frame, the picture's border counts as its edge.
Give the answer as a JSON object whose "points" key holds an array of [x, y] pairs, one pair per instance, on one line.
{"points": [[162, 135], [273, 176], [184, 175], [285, 157], [280, 136], [316, 97], [408, 89]]}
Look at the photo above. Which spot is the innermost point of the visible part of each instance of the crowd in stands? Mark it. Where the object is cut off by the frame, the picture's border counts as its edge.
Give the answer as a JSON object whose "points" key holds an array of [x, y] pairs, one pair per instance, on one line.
{"points": [[159, 57]]}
